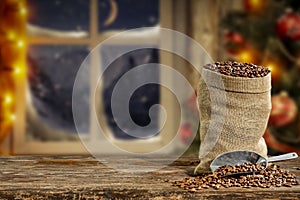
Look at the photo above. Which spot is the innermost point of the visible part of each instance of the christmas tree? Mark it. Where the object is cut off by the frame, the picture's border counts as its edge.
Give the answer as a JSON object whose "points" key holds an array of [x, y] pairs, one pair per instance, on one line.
{"points": [[267, 33]]}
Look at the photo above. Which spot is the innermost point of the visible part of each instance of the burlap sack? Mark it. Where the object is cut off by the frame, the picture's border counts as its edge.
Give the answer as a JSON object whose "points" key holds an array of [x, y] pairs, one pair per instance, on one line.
{"points": [[237, 117]]}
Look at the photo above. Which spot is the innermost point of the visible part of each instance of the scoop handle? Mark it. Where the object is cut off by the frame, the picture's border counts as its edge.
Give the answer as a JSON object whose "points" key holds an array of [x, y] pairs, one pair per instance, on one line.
{"points": [[286, 156]]}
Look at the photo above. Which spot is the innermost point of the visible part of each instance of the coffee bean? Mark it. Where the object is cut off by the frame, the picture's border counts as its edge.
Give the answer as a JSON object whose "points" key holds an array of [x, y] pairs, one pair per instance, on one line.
{"points": [[205, 186], [193, 190], [236, 69]]}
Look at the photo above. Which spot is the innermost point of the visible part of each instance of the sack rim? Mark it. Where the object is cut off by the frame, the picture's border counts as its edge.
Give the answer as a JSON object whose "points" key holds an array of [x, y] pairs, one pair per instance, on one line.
{"points": [[237, 84]]}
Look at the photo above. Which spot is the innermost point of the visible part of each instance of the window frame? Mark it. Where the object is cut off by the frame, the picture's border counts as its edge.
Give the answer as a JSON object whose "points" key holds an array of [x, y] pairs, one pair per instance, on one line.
{"points": [[21, 146]]}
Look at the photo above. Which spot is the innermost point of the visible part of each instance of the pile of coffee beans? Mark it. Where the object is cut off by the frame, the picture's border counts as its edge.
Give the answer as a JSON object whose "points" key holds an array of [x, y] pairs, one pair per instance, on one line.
{"points": [[238, 69], [272, 176]]}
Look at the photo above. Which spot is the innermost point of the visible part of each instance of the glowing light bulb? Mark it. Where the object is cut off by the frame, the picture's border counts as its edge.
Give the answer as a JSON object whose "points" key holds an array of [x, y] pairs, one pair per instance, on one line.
{"points": [[13, 117], [245, 56], [255, 3], [271, 67], [8, 99], [274, 68], [11, 35], [20, 43], [23, 10], [17, 70]]}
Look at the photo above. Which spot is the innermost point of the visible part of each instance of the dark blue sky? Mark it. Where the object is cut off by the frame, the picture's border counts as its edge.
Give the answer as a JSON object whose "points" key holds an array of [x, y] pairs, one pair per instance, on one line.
{"points": [[74, 14]]}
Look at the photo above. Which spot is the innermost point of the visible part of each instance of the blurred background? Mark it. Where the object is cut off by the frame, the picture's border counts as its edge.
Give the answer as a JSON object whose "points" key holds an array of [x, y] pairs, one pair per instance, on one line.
{"points": [[44, 42]]}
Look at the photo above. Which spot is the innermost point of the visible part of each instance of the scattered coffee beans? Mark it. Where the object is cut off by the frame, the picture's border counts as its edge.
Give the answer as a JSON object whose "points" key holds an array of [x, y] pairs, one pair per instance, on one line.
{"points": [[238, 69], [272, 176]]}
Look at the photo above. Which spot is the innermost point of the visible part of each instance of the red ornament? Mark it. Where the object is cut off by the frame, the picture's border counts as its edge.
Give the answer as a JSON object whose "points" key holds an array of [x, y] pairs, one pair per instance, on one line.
{"points": [[185, 133], [288, 26], [234, 42], [284, 110]]}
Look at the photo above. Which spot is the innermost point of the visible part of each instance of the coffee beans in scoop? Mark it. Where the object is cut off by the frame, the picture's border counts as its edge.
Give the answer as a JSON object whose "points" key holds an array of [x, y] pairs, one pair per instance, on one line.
{"points": [[238, 69]]}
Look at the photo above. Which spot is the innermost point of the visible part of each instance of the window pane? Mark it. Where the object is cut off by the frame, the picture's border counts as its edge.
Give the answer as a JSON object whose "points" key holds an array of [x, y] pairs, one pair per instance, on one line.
{"points": [[127, 14], [62, 15], [141, 100], [51, 75]]}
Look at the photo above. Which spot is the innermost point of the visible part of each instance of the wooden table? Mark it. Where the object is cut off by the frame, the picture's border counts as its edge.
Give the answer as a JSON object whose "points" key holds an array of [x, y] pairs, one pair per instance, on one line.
{"points": [[83, 177]]}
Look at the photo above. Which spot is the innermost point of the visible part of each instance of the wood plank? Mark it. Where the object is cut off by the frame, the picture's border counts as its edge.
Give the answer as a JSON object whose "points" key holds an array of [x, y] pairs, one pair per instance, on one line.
{"points": [[83, 177]]}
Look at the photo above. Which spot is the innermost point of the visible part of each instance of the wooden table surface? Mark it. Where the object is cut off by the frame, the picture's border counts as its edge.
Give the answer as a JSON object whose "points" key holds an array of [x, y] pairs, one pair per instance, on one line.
{"points": [[83, 177]]}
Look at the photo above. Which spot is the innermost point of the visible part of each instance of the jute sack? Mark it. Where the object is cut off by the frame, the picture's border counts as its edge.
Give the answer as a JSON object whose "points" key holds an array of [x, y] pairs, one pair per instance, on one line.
{"points": [[234, 113]]}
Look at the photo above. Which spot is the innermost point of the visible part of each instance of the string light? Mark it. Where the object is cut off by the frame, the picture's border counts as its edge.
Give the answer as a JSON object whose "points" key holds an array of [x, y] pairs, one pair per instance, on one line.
{"points": [[20, 43], [17, 70], [11, 35], [7, 99], [13, 117], [245, 56], [273, 66], [14, 37], [270, 66], [23, 10], [255, 5]]}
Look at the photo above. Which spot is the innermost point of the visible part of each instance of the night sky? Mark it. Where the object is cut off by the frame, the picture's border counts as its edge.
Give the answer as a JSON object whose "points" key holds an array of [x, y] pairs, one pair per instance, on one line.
{"points": [[53, 67], [74, 14]]}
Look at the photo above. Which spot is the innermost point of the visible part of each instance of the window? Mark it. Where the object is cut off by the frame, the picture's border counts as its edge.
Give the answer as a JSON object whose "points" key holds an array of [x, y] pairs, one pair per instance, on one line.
{"points": [[61, 33]]}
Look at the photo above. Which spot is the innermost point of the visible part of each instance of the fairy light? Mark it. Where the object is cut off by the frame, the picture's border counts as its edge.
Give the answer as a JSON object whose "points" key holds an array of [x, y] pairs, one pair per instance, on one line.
{"points": [[14, 39], [8, 99], [20, 43], [273, 66], [245, 56], [11, 35], [17, 70], [23, 10], [12, 117], [255, 3]]}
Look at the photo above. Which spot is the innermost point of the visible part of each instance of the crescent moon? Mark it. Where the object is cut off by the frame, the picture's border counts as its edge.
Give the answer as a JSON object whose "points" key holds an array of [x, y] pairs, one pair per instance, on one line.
{"points": [[113, 13]]}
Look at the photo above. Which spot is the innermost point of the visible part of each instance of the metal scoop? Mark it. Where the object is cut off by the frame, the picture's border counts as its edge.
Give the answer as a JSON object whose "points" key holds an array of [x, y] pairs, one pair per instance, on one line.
{"points": [[241, 157]]}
